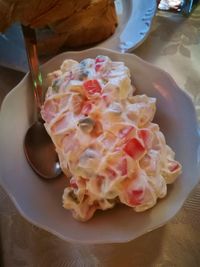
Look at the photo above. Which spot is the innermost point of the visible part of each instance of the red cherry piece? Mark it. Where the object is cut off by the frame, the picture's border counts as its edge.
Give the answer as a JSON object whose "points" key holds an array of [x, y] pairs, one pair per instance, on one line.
{"points": [[134, 148], [99, 59], [173, 166], [98, 63], [92, 87], [135, 197]]}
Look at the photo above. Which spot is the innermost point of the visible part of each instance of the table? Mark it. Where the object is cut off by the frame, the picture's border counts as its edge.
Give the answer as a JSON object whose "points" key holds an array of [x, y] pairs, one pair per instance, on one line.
{"points": [[173, 45]]}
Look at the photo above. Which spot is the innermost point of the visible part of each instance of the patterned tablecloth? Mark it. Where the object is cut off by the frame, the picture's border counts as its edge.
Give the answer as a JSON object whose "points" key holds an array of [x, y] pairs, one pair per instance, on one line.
{"points": [[173, 45]]}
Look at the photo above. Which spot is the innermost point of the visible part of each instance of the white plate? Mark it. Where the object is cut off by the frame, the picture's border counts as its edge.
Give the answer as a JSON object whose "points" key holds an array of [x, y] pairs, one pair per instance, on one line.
{"points": [[40, 202], [135, 19]]}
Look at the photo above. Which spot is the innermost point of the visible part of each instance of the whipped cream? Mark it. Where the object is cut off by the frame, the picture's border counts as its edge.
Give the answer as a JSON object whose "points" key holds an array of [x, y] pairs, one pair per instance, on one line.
{"points": [[105, 138]]}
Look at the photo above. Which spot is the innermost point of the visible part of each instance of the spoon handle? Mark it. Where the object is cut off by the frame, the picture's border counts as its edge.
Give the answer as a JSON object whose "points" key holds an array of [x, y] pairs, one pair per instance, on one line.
{"points": [[32, 55]]}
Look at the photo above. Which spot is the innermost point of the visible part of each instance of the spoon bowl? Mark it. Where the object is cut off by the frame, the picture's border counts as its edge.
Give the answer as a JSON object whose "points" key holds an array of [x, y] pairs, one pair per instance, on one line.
{"points": [[38, 146], [39, 151]]}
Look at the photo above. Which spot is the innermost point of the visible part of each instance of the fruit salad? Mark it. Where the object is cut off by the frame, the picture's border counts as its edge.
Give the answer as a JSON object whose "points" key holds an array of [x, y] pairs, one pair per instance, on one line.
{"points": [[107, 144]]}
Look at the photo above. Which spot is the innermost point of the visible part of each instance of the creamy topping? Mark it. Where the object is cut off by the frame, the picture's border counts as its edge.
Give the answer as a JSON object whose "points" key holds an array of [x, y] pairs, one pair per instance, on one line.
{"points": [[105, 138]]}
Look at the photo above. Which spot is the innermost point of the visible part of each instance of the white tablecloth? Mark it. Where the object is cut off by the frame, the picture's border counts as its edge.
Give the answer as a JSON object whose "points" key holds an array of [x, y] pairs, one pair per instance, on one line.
{"points": [[173, 45]]}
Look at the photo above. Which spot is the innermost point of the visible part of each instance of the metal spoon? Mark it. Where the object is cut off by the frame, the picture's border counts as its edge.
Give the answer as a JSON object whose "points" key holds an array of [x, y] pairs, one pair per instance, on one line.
{"points": [[38, 146]]}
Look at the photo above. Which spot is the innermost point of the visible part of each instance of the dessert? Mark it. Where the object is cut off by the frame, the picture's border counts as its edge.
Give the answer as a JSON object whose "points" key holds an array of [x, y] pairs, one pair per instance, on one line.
{"points": [[71, 23], [89, 25], [105, 138]]}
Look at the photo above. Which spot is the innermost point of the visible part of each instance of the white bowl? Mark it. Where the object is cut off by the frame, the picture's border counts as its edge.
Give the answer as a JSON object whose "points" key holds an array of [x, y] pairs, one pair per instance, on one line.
{"points": [[40, 202]]}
